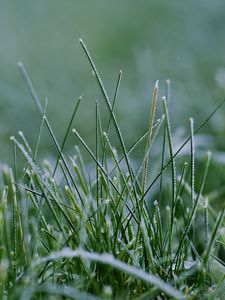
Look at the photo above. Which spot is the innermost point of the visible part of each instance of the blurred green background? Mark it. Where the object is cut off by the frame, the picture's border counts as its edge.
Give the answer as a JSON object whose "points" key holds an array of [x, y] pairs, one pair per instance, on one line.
{"points": [[147, 40]]}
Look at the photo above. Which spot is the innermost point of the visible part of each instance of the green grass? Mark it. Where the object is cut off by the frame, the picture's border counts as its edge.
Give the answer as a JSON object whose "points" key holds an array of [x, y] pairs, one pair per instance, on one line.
{"points": [[116, 228]]}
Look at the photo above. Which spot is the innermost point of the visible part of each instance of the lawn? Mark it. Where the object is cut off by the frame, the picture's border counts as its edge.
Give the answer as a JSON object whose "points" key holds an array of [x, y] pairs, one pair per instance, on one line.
{"points": [[112, 181]]}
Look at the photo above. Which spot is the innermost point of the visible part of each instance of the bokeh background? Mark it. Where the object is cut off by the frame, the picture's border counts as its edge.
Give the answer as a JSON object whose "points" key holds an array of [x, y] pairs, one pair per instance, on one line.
{"points": [[147, 40]]}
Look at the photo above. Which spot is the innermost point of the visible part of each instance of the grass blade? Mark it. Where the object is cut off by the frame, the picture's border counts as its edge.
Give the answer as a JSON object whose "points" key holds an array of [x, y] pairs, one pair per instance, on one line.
{"points": [[111, 261]]}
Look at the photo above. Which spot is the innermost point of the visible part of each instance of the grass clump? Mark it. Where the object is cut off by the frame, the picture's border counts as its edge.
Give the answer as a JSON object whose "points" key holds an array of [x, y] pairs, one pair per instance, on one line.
{"points": [[115, 229]]}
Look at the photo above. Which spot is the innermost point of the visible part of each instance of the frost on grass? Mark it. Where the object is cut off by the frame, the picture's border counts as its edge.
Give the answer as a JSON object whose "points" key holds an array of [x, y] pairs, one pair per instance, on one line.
{"points": [[109, 260]]}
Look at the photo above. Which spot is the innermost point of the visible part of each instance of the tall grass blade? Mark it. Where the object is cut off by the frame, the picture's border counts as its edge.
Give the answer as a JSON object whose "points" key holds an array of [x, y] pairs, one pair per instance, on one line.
{"points": [[192, 161], [194, 207], [149, 136], [184, 144], [30, 86], [105, 96], [67, 133]]}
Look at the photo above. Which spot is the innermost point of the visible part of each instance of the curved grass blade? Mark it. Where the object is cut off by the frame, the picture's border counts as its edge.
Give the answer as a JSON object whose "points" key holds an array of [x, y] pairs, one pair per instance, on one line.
{"points": [[64, 291], [109, 260]]}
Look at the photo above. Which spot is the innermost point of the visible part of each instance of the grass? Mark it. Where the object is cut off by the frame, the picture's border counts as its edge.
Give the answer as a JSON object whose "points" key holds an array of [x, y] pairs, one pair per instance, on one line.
{"points": [[115, 228]]}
